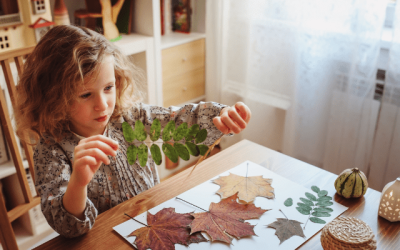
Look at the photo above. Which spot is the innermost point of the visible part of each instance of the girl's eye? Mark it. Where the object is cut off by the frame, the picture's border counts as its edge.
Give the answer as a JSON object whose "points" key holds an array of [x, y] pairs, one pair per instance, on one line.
{"points": [[109, 87], [85, 96]]}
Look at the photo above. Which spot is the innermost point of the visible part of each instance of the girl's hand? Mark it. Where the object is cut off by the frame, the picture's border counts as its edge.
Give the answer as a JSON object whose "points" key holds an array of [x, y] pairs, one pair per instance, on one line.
{"points": [[233, 119], [88, 156]]}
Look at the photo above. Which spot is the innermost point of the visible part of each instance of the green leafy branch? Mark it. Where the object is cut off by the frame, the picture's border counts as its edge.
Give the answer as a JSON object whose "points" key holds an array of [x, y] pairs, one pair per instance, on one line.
{"points": [[317, 207], [170, 137]]}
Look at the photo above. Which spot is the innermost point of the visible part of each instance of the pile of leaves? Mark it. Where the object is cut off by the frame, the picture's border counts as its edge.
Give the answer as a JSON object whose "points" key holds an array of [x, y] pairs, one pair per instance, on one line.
{"points": [[172, 149]]}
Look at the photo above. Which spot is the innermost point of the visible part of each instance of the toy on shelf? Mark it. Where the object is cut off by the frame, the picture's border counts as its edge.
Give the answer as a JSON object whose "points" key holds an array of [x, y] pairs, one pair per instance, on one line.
{"points": [[181, 16], [61, 13], [389, 206], [109, 17]]}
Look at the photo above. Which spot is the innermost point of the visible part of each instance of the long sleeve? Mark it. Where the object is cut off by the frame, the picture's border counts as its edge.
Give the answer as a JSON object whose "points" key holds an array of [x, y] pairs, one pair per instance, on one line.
{"points": [[52, 173], [202, 114]]}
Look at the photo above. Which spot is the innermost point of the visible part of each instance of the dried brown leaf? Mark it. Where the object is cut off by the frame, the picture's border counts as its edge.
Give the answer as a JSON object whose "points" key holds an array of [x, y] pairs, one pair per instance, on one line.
{"points": [[165, 229], [226, 219], [287, 228], [248, 187]]}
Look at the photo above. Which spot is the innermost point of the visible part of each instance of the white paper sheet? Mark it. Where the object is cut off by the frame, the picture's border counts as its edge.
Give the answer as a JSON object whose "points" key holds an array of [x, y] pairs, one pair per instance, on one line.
{"points": [[205, 193]]}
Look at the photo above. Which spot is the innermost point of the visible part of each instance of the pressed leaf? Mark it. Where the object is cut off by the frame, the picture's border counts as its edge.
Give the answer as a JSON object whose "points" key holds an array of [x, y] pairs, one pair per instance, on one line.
{"points": [[168, 131], [248, 188], [192, 148], [285, 229], [322, 193], [324, 198], [127, 131], [317, 220], [155, 130], [203, 149], [323, 209], [140, 132], [304, 206], [324, 203], [311, 197], [131, 154], [307, 202], [201, 135], [303, 211], [156, 153], [182, 151], [315, 189], [143, 154], [288, 202], [170, 152], [180, 132], [226, 219], [191, 134], [165, 229], [321, 214]]}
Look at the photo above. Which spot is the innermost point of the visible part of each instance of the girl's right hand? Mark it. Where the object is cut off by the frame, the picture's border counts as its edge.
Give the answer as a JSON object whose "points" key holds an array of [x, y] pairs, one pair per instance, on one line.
{"points": [[90, 153]]}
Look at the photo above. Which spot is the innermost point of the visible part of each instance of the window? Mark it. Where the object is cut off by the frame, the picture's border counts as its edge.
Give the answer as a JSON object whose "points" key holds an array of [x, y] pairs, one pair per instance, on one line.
{"points": [[39, 6]]}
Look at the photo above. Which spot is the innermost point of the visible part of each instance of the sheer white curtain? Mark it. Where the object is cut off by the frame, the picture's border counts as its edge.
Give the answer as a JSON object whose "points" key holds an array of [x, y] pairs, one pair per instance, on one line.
{"points": [[311, 66], [386, 151]]}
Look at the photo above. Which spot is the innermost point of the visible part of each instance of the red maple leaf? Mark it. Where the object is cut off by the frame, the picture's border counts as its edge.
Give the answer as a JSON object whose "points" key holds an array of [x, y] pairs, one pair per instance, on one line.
{"points": [[226, 219], [165, 229]]}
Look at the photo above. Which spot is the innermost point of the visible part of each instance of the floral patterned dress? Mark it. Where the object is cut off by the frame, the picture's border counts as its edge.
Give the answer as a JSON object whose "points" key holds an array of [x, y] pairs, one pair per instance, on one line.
{"points": [[113, 183]]}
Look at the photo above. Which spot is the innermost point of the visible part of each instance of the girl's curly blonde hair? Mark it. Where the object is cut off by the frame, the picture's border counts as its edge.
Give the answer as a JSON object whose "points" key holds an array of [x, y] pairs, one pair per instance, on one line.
{"points": [[58, 65]]}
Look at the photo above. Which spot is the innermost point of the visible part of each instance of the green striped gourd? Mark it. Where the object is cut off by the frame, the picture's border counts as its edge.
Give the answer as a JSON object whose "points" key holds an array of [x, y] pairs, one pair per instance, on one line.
{"points": [[351, 183]]}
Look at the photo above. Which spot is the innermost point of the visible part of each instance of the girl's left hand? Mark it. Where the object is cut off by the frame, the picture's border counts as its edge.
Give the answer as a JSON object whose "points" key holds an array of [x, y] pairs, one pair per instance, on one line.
{"points": [[233, 119]]}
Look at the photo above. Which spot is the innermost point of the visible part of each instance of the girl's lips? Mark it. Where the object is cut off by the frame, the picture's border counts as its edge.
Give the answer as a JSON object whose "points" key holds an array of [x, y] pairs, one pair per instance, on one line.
{"points": [[101, 119]]}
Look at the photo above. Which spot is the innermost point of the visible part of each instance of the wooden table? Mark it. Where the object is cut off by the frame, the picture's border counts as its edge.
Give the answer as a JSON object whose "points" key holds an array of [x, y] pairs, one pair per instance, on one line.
{"points": [[102, 236]]}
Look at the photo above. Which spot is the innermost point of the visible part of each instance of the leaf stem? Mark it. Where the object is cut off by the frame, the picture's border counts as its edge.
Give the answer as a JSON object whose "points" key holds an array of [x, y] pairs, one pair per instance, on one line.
{"points": [[191, 204], [136, 220], [309, 217]]}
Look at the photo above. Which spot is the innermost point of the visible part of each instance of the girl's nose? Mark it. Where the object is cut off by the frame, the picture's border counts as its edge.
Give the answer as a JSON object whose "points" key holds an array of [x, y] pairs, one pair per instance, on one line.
{"points": [[100, 103]]}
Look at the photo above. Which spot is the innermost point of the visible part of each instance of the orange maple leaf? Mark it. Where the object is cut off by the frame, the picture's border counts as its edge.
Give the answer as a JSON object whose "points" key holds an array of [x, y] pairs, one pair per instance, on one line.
{"points": [[165, 229], [226, 219], [248, 187]]}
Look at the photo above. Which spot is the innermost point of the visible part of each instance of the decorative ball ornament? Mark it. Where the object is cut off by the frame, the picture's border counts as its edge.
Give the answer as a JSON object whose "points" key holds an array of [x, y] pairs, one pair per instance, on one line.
{"points": [[351, 183], [389, 206]]}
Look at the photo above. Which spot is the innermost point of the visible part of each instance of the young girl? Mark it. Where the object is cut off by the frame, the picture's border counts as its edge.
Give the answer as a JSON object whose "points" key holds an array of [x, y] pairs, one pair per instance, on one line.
{"points": [[76, 91]]}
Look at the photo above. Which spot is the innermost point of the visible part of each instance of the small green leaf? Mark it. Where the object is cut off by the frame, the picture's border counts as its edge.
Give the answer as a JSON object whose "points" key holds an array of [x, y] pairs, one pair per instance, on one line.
{"points": [[140, 132], [303, 211], [304, 206], [288, 202], [143, 154], [156, 153], [192, 148], [155, 130], [311, 196], [321, 214], [315, 189], [307, 202], [324, 203], [181, 132], [182, 151], [323, 209], [324, 198], [168, 131], [131, 154], [127, 130], [201, 135], [192, 132], [203, 149], [322, 193], [170, 152], [317, 220]]}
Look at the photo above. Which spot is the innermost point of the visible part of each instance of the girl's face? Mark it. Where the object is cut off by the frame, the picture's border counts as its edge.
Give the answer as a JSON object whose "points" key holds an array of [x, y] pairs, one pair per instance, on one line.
{"points": [[90, 112]]}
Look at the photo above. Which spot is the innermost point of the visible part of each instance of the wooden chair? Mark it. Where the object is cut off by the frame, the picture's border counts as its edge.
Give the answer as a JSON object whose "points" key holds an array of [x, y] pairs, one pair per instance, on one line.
{"points": [[7, 236]]}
